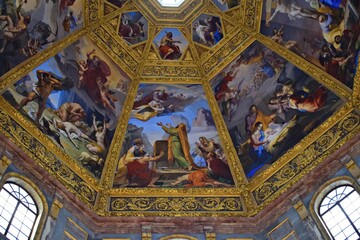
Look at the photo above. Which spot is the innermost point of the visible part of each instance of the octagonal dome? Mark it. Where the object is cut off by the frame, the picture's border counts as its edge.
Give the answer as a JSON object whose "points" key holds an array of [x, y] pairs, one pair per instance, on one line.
{"points": [[264, 103]]}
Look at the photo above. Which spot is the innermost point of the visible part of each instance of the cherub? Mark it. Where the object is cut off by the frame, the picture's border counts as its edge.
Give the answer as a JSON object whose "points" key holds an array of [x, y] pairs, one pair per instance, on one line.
{"points": [[83, 68]]}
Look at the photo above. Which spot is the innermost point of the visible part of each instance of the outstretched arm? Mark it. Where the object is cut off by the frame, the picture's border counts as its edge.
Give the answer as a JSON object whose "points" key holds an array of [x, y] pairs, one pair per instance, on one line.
{"points": [[18, 11], [94, 122], [272, 17]]}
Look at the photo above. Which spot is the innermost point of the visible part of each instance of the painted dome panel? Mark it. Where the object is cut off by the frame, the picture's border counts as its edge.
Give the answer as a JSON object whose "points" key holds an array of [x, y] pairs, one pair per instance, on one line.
{"points": [[326, 35], [170, 43], [133, 27], [269, 105], [207, 30], [75, 98], [171, 139], [39, 31]]}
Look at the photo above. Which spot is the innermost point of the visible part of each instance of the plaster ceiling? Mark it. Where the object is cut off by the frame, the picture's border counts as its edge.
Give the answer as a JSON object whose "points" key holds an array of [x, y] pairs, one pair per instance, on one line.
{"points": [[115, 74]]}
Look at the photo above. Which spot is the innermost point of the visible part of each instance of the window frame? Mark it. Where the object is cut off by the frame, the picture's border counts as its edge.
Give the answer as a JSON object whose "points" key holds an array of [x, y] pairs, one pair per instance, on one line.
{"points": [[18, 204], [320, 194], [38, 197], [338, 204]]}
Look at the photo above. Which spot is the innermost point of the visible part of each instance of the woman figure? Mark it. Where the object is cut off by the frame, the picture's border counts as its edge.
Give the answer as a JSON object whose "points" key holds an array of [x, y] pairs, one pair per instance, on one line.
{"points": [[257, 151]]}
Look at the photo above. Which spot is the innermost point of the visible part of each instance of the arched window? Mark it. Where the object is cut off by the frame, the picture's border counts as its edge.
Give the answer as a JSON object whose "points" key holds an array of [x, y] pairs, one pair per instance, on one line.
{"points": [[339, 211], [18, 212]]}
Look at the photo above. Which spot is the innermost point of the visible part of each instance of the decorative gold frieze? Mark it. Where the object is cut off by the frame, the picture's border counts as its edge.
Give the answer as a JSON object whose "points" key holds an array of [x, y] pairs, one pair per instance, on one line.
{"points": [[170, 71], [177, 204], [93, 11], [252, 13]]}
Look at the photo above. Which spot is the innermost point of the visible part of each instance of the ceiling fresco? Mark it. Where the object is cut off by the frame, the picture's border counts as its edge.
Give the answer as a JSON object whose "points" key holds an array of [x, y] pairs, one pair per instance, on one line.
{"points": [[212, 108], [28, 27]]}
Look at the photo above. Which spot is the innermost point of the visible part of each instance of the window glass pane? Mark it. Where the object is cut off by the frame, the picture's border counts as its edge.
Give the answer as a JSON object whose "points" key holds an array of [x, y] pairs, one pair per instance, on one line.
{"points": [[16, 223], [24, 229], [22, 209], [344, 224], [330, 222], [2, 230], [23, 237], [16, 205], [339, 207], [353, 237], [3, 222], [28, 223], [30, 217], [13, 231], [5, 214], [10, 237], [340, 236]]}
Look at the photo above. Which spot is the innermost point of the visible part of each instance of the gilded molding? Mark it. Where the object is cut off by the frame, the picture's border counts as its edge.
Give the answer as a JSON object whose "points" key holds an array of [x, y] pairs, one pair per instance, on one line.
{"points": [[252, 14], [93, 10], [177, 204], [317, 73], [356, 87], [170, 71], [113, 156], [216, 61], [308, 159], [116, 52], [167, 192]]}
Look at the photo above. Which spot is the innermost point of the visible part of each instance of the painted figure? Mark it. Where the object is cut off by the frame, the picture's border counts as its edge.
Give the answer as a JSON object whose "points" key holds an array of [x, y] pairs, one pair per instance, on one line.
{"points": [[293, 11], [178, 146], [255, 116], [217, 170], [12, 31], [133, 167], [69, 128], [305, 102], [168, 49], [97, 71], [47, 82], [71, 112], [257, 151], [131, 30], [100, 132]]}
